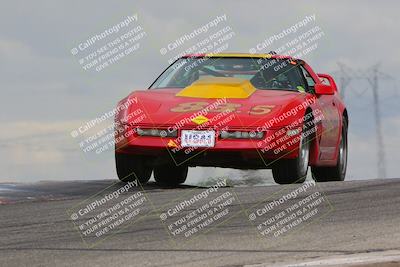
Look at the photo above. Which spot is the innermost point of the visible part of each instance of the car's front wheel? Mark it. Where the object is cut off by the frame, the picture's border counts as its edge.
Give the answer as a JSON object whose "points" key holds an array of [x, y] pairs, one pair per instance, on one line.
{"points": [[288, 171], [170, 175], [132, 167]]}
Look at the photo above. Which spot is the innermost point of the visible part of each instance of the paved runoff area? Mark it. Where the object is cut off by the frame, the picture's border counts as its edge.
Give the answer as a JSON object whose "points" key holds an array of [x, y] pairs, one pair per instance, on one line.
{"points": [[108, 223]]}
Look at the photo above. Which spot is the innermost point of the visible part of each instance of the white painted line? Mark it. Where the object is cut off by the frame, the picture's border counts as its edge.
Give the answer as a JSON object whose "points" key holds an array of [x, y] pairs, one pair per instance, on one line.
{"points": [[343, 260]]}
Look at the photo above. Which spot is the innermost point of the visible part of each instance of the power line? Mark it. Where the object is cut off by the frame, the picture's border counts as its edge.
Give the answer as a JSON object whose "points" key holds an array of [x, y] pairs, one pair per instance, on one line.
{"points": [[379, 137], [372, 75], [345, 79]]}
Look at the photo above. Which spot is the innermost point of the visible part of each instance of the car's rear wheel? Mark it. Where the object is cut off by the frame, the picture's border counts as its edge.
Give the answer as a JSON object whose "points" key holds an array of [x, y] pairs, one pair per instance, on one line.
{"points": [[338, 172], [288, 171], [170, 175], [132, 167]]}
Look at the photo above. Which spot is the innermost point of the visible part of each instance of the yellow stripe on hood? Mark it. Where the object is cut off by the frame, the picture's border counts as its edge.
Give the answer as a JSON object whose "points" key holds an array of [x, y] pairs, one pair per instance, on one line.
{"points": [[219, 87]]}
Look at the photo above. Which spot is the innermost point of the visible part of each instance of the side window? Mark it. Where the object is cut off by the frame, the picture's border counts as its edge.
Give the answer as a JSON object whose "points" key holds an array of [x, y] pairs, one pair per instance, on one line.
{"points": [[289, 78], [296, 79], [310, 81]]}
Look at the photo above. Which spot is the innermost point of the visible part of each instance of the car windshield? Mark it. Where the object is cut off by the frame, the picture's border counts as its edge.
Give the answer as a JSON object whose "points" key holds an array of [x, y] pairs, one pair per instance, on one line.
{"points": [[263, 73]]}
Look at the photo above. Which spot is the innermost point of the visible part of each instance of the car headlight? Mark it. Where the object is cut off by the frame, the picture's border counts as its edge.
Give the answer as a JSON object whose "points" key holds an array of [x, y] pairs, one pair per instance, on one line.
{"points": [[241, 135], [156, 132]]}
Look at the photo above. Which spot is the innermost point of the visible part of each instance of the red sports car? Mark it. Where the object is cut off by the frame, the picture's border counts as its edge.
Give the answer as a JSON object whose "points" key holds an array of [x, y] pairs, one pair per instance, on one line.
{"points": [[243, 111]]}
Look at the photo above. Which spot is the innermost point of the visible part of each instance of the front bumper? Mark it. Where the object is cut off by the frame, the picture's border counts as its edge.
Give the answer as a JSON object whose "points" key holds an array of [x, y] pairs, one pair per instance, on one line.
{"points": [[234, 153]]}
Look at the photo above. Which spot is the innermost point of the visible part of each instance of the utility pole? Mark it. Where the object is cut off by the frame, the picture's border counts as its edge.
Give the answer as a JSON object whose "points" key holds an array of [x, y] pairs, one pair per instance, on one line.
{"points": [[345, 79], [372, 75], [377, 114]]}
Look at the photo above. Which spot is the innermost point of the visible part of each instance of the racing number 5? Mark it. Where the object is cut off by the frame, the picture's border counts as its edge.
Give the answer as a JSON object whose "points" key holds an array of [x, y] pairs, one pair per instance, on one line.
{"points": [[196, 106], [227, 107], [261, 109], [189, 106]]}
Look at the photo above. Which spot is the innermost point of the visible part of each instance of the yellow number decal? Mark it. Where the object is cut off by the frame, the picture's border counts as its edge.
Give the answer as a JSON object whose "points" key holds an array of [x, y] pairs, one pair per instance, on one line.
{"points": [[227, 107], [261, 109], [190, 106]]}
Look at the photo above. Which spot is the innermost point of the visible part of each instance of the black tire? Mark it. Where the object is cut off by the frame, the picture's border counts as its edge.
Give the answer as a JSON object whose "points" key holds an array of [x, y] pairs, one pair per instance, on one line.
{"points": [[288, 171], [130, 167], [338, 172], [170, 175]]}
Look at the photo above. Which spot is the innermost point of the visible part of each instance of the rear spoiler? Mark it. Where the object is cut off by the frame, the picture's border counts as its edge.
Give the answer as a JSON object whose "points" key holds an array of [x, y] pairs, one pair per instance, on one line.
{"points": [[327, 79]]}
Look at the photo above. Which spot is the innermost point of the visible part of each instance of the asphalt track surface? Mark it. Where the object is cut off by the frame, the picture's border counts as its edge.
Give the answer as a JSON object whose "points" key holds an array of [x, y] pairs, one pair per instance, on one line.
{"points": [[360, 227]]}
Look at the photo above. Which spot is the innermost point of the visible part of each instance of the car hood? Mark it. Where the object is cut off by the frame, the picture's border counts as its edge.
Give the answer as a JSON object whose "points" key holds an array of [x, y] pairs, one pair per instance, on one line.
{"points": [[168, 106]]}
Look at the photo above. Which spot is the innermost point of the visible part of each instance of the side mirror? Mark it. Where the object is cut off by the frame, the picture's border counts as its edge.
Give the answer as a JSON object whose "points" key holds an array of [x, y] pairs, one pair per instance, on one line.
{"points": [[323, 89], [328, 80]]}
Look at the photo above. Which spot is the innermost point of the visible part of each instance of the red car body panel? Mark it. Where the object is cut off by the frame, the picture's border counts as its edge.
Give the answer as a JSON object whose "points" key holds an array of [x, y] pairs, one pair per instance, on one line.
{"points": [[156, 108]]}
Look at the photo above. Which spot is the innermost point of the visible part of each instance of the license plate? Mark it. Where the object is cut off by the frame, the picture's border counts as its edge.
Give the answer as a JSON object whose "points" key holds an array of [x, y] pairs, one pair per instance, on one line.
{"points": [[191, 138]]}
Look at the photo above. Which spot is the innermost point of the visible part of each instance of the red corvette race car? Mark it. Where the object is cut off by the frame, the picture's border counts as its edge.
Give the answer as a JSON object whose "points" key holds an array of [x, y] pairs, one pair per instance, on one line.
{"points": [[243, 111]]}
